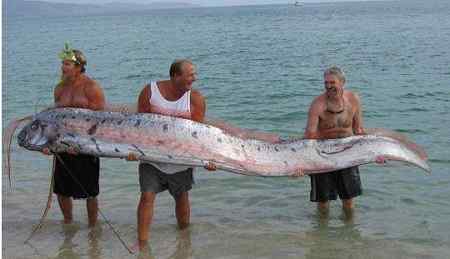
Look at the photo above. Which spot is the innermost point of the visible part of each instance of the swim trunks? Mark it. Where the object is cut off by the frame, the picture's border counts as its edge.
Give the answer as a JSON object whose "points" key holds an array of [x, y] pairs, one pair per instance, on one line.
{"points": [[81, 180], [151, 179], [326, 186]]}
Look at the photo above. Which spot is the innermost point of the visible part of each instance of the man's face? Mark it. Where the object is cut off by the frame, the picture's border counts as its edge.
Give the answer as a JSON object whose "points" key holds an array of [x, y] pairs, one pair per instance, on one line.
{"points": [[68, 68], [187, 77], [333, 86]]}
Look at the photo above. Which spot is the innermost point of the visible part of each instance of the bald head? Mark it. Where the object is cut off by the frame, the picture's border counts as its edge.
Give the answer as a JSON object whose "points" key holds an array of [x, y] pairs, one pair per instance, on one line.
{"points": [[177, 67]]}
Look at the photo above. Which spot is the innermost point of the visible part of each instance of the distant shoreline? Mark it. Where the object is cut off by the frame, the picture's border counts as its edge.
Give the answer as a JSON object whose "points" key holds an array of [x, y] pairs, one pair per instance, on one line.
{"points": [[40, 8], [21, 8]]}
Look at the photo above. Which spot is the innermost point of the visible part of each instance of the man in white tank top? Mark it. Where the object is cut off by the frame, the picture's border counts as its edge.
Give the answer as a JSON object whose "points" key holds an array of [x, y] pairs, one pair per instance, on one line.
{"points": [[173, 97]]}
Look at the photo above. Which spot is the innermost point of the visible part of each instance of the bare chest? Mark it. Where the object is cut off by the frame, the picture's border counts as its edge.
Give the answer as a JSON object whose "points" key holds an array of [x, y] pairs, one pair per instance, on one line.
{"points": [[341, 120], [72, 97]]}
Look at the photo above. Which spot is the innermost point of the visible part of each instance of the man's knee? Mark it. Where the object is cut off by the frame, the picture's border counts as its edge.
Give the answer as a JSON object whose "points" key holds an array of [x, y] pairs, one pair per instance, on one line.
{"points": [[63, 197], [147, 198], [323, 205], [182, 198], [347, 204]]}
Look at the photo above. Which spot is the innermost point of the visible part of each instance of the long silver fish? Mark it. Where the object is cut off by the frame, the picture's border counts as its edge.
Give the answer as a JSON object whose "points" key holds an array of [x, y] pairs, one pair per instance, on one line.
{"points": [[158, 138]]}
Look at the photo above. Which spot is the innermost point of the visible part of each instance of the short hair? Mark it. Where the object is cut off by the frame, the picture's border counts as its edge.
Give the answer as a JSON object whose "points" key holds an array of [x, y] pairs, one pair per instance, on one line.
{"points": [[177, 66], [336, 71], [81, 59]]}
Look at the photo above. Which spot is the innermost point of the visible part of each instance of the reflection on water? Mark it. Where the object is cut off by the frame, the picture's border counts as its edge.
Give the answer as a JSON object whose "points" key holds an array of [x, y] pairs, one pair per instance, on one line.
{"points": [[94, 249], [66, 249], [328, 239], [70, 249], [183, 247]]}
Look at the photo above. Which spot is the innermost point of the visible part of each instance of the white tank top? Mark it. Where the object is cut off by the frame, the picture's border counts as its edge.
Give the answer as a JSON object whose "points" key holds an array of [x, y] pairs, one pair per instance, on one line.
{"points": [[179, 108]]}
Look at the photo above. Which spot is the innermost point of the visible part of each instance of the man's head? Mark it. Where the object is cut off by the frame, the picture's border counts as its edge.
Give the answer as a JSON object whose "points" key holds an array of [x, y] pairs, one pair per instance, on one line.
{"points": [[183, 74], [334, 80], [73, 61]]}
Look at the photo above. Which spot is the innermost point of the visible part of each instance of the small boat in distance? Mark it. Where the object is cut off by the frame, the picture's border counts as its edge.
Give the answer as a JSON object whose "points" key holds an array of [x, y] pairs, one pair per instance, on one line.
{"points": [[298, 3]]}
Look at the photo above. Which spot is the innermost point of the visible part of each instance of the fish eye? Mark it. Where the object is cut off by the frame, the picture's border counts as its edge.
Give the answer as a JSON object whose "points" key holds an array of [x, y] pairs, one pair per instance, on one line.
{"points": [[34, 126]]}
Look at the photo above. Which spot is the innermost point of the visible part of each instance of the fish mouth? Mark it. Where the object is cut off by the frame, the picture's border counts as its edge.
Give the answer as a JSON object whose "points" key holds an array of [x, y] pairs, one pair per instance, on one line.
{"points": [[25, 141], [35, 136]]}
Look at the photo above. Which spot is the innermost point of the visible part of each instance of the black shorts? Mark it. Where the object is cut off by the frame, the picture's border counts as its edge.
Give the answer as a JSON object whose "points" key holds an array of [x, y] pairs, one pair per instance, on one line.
{"points": [[151, 179], [326, 186], [81, 181]]}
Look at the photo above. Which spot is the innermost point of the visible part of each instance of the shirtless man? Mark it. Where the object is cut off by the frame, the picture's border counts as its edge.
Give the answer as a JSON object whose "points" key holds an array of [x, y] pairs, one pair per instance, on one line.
{"points": [[335, 114], [173, 97], [77, 90]]}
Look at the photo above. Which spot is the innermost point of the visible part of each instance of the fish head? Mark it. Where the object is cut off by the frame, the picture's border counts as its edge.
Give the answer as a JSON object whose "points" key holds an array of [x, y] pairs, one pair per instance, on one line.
{"points": [[37, 135]]}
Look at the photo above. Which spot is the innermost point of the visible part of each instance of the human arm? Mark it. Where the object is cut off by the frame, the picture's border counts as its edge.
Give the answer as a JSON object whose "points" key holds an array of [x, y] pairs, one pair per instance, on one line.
{"points": [[198, 107], [312, 126], [143, 107], [95, 96], [358, 128], [57, 95], [144, 100]]}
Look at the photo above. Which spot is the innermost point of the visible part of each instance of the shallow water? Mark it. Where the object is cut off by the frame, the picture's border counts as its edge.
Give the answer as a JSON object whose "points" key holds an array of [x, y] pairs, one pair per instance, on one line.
{"points": [[259, 67]]}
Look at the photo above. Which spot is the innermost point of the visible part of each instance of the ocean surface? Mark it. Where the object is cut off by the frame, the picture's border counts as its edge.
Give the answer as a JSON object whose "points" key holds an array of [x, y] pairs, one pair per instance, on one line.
{"points": [[259, 68]]}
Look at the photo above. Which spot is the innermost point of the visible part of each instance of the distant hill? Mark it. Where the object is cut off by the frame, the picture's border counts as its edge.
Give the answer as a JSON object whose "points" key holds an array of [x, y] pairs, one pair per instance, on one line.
{"points": [[22, 8]]}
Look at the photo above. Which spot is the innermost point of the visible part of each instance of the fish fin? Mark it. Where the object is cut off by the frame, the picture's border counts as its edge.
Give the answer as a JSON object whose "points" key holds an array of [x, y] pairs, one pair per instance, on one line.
{"points": [[7, 138], [243, 133], [123, 108]]}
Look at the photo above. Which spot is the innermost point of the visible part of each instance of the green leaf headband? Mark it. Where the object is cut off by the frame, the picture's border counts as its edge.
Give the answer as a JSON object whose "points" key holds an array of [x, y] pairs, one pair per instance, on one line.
{"points": [[68, 54]]}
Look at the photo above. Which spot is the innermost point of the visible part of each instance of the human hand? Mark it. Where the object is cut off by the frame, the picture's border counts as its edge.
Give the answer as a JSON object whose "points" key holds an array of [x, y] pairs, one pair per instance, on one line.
{"points": [[132, 157], [73, 151], [380, 160], [210, 166], [46, 151], [298, 173]]}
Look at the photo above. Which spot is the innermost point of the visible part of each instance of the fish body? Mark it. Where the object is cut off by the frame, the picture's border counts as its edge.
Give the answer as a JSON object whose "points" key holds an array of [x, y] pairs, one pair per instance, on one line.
{"points": [[159, 138]]}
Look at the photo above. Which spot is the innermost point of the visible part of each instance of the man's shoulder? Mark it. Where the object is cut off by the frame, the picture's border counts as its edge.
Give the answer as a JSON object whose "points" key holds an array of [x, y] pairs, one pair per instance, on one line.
{"points": [[59, 86], [318, 105], [196, 94], [352, 96], [319, 101], [91, 84]]}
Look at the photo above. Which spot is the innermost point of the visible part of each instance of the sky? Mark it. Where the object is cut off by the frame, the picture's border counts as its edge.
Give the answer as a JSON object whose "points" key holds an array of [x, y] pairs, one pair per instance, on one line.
{"points": [[202, 2]]}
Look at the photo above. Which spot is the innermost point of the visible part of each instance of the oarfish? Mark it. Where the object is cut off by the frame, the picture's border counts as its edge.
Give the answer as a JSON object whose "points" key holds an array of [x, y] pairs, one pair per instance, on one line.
{"points": [[158, 138]]}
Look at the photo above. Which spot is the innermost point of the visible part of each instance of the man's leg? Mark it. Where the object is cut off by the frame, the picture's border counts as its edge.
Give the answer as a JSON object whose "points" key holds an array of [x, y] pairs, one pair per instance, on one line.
{"points": [[182, 210], [322, 191], [65, 203], [349, 187], [92, 210], [347, 204], [347, 207], [323, 207], [145, 215]]}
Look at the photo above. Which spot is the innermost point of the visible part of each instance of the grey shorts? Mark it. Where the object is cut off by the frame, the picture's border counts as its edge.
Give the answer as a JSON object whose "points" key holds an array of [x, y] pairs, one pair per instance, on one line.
{"points": [[151, 179], [326, 186]]}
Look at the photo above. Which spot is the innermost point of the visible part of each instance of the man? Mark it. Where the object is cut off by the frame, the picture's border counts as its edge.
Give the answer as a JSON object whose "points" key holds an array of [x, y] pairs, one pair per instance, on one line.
{"points": [[173, 97], [77, 176], [335, 114]]}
